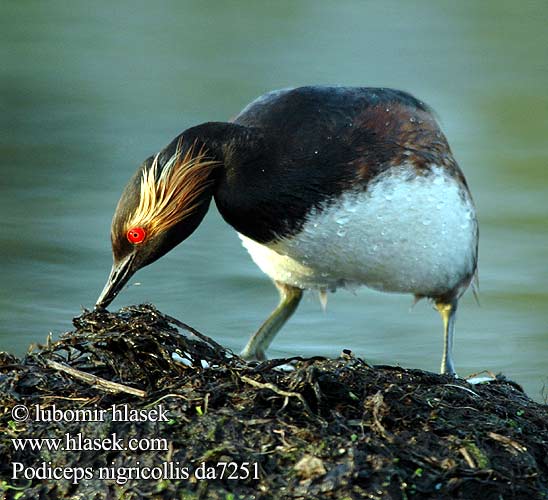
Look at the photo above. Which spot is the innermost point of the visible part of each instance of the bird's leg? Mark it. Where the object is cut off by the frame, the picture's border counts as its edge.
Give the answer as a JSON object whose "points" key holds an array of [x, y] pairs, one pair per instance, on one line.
{"points": [[447, 310], [290, 297]]}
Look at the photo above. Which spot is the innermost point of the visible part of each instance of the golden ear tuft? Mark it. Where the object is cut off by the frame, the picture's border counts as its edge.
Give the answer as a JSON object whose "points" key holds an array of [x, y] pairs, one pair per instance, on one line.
{"points": [[173, 194]]}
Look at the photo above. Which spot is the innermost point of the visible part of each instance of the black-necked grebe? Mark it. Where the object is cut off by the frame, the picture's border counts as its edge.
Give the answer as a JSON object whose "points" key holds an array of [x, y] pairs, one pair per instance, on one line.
{"points": [[327, 187]]}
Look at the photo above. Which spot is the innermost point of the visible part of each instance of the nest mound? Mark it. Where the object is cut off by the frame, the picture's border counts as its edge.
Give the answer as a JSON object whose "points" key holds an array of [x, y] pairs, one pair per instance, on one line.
{"points": [[207, 425]]}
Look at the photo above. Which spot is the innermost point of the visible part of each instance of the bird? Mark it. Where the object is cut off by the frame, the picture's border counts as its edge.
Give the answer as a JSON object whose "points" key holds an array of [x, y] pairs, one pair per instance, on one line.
{"points": [[328, 187]]}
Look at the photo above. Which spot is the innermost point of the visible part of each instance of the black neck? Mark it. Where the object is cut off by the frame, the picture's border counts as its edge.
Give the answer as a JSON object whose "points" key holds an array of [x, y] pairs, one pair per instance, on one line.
{"points": [[228, 143], [258, 186], [244, 156], [263, 186]]}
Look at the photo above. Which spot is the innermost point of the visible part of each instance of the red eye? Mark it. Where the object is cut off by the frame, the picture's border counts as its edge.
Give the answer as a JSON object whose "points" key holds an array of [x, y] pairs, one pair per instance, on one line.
{"points": [[136, 235]]}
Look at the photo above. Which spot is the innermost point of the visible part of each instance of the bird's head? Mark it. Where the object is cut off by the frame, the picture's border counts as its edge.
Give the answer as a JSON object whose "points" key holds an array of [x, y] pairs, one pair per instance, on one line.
{"points": [[161, 206]]}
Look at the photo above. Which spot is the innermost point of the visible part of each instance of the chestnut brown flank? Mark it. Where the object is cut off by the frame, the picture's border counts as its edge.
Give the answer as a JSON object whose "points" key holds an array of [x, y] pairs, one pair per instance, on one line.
{"points": [[404, 135]]}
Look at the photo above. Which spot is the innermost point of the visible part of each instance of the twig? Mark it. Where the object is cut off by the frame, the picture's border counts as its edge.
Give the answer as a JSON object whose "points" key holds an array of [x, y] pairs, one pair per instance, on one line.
{"points": [[468, 458], [507, 441], [463, 389], [488, 372], [378, 402], [90, 379], [204, 338], [277, 390]]}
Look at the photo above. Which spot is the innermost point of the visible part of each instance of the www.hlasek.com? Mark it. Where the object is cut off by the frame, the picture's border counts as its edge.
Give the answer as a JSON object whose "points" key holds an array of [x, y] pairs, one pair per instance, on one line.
{"points": [[78, 442]]}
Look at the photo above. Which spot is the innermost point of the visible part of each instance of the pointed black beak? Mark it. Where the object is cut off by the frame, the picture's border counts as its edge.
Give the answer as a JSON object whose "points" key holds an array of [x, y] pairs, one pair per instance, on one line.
{"points": [[119, 276]]}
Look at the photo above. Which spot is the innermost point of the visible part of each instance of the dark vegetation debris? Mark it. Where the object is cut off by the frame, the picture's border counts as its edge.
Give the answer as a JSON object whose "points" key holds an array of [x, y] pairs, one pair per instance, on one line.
{"points": [[330, 428]]}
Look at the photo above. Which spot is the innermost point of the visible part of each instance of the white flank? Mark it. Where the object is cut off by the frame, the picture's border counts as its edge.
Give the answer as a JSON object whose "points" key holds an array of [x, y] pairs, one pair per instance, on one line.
{"points": [[406, 233]]}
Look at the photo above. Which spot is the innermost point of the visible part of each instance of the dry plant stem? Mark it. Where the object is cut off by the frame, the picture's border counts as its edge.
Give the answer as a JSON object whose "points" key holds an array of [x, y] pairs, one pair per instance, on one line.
{"points": [[468, 458], [277, 390], [94, 380], [378, 403]]}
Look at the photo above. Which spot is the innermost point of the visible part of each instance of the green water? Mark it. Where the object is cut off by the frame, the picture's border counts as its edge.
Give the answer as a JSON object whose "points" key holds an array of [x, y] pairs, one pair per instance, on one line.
{"points": [[89, 89]]}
